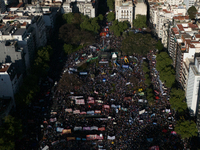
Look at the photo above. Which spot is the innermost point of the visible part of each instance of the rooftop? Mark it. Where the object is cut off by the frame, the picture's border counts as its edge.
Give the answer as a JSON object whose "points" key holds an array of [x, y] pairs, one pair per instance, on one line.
{"points": [[4, 67]]}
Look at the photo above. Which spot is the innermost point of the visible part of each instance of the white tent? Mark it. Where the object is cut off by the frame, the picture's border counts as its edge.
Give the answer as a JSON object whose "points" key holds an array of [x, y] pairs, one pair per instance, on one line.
{"points": [[114, 56]]}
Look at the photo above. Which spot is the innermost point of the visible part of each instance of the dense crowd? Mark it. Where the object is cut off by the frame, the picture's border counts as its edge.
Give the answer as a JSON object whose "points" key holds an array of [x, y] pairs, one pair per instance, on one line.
{"points": [[109, 110]]}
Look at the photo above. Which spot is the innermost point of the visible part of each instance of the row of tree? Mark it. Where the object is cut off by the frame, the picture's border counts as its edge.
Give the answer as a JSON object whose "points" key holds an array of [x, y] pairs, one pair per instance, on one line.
{"points": [[149, 91], [186, 128], [30, 87]]}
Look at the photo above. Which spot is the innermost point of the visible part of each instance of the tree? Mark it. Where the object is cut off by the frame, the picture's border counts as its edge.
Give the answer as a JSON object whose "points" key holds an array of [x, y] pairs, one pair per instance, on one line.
{"points": [[68, 18], [118, 27], [140, 21], [159, 45], [110, 4], [67, 49], [111, 16], [9, 132], [138, 43], [165, 69], [192, 12], [186, 129], [100, 17], [177, 100]]}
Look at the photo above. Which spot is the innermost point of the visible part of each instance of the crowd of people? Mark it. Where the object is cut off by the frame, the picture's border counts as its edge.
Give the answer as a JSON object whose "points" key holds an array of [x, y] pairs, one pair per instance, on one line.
{"points": [[109, 110]]}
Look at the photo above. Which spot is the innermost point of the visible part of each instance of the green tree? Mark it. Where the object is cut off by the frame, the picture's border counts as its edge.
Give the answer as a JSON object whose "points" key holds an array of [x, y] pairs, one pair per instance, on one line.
{"points": [[110, 4], [9, 132], [138, 43], [159, 45], [100, 17], [67, 49], [177, 100], [186, 129], [118, 27], [68, 18], [111, 16], [140, 21], [165, 69], [192, 12]]}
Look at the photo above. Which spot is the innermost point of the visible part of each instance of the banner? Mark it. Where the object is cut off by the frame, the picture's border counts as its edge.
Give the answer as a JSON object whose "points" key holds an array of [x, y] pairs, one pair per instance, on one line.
{"points": [[83, 73], [106, 106], [66, 131], [80, 102], [53, 119], [83, 113], [58, 129], [76, 112], [90, 98], [78, 139], [53, 113], [102, 129], [86, 128], [125, 66], [70, 138], [90, 112], [55, 142], [142, 111], [91, 137], [68, 110], [94, 128], [90, 102], [97, 111], [77, 128], [111, 137]]}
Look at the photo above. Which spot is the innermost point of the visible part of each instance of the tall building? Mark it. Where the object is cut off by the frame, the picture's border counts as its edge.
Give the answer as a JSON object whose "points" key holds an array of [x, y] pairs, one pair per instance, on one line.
{"points": [[124, 11], [193, 90]]}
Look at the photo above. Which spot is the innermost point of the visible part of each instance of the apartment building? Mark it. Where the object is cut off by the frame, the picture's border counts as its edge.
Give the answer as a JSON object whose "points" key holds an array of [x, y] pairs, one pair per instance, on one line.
{"points": [[9, 83], [86, 7], [124, 11], [182, 50], [161, 17], [193, 92]]}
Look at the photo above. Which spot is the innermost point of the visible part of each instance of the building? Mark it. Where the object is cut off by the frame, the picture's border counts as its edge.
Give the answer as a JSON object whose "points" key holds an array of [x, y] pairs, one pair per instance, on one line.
{"points": [[86, 7], [193, 93], [189, 3], [183, 44], [140, 8], [161, 17], [124, 11], [10, 81]]}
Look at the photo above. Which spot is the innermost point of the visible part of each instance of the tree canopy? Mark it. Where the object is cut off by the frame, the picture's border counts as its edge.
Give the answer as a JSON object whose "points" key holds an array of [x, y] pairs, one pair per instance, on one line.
{"points": [[177, 100], [118, 27], [159, 46], [140, 21], [192, 12], [90, 25], [138, 43], [79, 29], [9, 132], [111, 16], [165, 68], [110, 4], [186, 129]]}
